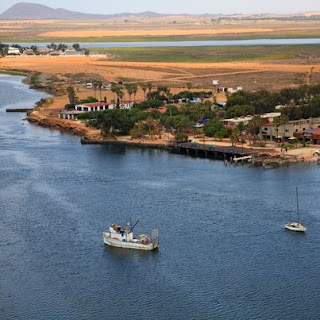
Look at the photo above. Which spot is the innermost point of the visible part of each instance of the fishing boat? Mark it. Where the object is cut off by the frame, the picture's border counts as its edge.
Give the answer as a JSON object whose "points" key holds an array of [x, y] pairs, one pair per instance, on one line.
{"points": [[296, 226], [122, 237]]}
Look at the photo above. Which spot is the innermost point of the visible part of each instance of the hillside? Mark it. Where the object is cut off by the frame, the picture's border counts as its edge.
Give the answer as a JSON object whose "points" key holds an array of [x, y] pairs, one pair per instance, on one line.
{"points": [[34, 11]]}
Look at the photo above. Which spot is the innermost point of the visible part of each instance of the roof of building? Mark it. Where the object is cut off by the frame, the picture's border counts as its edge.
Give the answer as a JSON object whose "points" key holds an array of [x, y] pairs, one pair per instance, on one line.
{"points": [[264, 116], [99, 104], [314, 131]]}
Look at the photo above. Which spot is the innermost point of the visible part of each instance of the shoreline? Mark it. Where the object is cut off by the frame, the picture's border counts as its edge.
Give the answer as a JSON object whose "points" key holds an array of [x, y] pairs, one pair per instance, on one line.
{"points": [[87, 135], [43, 116]]}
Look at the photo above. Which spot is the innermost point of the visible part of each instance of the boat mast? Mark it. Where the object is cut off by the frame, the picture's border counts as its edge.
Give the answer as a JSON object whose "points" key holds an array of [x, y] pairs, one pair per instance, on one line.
{"points": [[134, 225], [298, 205]]}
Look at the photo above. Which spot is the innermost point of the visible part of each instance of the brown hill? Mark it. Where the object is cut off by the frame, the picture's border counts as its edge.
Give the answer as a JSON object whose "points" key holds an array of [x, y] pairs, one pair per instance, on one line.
{"points": [[34, 11]]}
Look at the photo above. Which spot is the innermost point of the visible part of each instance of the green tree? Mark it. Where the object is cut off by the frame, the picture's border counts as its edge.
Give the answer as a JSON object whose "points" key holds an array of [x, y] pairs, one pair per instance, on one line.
{"points": [[139, 130], [216, 129], [76, 46]]}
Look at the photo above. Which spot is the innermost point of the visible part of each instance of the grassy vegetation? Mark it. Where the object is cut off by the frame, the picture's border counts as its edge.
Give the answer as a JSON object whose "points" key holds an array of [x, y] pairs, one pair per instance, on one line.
{"points": [[303, 34], [13, 73], [212, 54], [19, 36]]}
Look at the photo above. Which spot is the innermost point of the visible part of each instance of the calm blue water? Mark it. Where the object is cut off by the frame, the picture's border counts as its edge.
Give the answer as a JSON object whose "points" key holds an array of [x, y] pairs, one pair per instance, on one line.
{"points": [[201, 43], [224, 253]]}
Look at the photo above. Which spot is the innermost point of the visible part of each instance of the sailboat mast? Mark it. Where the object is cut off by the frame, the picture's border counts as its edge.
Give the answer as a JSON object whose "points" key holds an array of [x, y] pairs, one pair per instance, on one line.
{"points": [[298, 204]]}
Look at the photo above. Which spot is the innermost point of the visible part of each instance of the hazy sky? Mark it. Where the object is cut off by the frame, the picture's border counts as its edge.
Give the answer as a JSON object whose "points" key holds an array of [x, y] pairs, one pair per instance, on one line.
{"points": [[178, 6]]}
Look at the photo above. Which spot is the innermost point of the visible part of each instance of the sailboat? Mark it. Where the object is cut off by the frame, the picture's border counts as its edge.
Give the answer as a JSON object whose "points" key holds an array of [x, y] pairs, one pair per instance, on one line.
{"points": [[296, 226]]}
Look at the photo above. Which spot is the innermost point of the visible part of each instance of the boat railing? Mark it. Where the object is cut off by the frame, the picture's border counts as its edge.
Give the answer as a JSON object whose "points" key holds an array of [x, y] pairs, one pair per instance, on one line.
{"points": [[155, 237]]}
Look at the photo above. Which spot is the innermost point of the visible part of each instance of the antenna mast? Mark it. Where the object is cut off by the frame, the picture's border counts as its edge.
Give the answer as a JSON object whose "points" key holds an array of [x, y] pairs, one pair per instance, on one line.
{"points": [[298, 204]]}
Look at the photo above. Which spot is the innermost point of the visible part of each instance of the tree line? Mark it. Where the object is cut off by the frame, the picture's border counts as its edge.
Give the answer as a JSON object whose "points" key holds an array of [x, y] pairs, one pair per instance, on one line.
{"points": [[139, 123], [300, 103]]}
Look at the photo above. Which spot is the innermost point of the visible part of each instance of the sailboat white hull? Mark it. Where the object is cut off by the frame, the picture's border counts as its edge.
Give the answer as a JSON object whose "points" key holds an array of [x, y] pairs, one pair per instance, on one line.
{"points": [[295, 226]]}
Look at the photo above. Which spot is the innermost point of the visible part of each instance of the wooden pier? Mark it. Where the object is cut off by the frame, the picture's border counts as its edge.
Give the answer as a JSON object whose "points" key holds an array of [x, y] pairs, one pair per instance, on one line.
{"points": [[212, 152], [22, 110]]}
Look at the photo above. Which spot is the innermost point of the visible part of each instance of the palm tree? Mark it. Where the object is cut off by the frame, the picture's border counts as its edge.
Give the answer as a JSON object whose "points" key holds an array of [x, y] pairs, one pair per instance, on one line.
{"points": [[71, 95], [95, 84], [134, 89], [255, 123], [120, 95], [144, 88], [113, 90], [129, 89], [284, 119], [99, 85], [149, 85], [277, 123]]}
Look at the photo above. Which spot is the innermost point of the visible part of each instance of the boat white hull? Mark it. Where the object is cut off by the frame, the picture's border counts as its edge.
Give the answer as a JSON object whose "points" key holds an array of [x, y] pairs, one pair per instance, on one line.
{"points": [[129, 245], [295, 226]]}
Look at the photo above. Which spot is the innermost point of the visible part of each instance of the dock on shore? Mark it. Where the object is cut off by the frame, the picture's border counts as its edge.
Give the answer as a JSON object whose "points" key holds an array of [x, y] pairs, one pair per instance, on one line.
{"points": [[212, 152], [190, 149], [22, 110]]}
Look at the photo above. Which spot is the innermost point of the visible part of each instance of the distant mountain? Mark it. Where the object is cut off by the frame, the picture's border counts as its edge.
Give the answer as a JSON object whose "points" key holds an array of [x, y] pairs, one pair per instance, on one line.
{"points": [[34, 11]]}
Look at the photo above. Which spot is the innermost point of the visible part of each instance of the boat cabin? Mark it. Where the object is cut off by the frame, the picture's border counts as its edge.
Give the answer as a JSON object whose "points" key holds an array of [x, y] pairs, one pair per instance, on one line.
{"points": [[121, 233]]}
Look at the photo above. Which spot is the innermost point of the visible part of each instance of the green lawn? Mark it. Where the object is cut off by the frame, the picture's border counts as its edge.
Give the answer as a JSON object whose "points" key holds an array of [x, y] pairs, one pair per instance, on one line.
{"points": [[211, 54], [13, 73]]}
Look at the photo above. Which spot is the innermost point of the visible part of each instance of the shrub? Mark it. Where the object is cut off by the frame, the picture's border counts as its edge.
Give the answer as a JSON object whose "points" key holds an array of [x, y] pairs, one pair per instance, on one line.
{"points": [[181, 137]]}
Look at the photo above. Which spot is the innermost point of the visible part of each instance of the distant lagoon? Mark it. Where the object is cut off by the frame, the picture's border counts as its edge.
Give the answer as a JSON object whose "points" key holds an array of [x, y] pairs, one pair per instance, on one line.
{"points": [[202, 43]]}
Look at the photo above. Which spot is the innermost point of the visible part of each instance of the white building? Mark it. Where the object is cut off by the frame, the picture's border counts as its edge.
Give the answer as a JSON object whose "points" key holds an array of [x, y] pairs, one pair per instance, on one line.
{"points": [[96, 106], [101, 106], [13, 51]]}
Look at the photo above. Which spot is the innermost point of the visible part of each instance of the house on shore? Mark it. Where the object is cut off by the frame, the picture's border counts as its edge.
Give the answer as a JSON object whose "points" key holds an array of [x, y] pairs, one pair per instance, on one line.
{"points": [[301, 129], [267, 118], [102, 106], [95, 106], [309, 135]]}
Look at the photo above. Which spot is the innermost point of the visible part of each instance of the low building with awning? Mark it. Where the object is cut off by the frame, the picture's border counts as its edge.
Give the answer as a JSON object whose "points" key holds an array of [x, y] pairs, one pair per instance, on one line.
{"points": [[309, 135]]}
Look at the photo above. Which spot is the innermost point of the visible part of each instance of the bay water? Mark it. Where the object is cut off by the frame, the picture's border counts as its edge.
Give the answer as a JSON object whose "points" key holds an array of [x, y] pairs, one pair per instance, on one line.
{"points": [[224, 253]]}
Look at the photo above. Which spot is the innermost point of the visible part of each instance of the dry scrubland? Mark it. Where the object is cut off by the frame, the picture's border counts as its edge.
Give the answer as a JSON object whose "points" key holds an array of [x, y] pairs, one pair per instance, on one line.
{"points": [[251, 67], [250, 75], [155, 28]]}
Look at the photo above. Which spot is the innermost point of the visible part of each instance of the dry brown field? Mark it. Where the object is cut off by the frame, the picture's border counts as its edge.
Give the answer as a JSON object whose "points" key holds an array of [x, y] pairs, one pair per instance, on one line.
{"points": [[250, 75]]}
